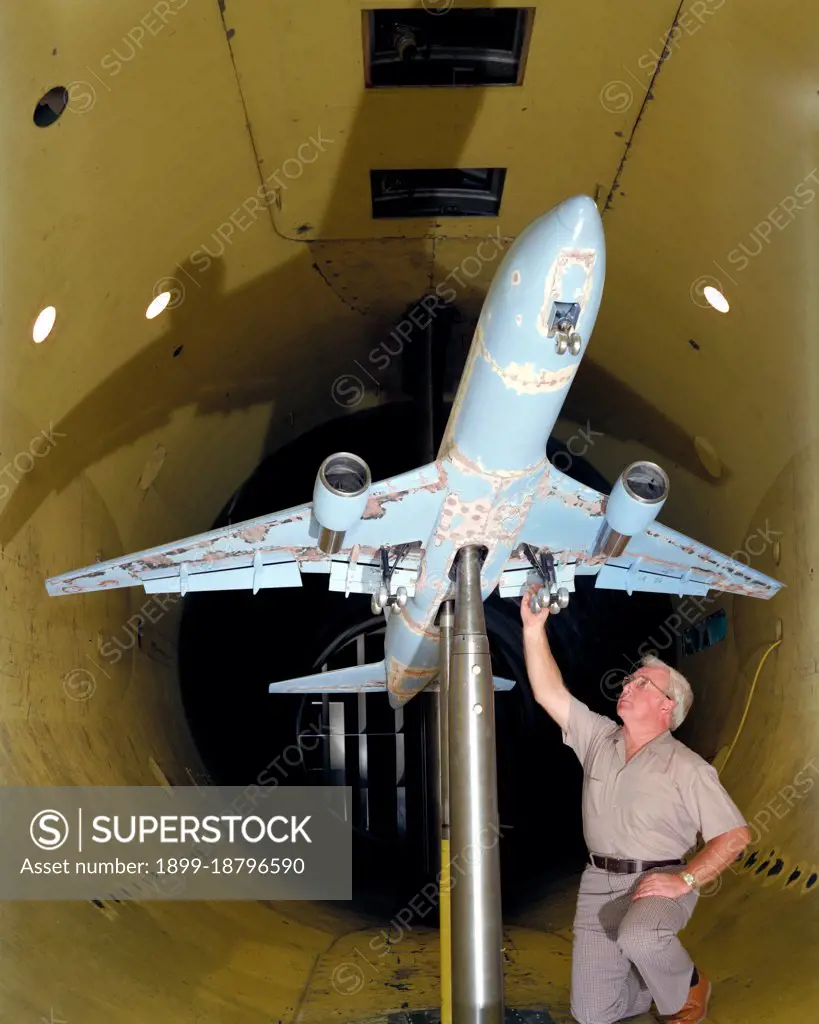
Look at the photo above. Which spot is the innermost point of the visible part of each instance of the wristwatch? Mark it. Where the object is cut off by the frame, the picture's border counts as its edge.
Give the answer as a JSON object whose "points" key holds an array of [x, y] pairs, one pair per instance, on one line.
{"points": [[689, 879]]}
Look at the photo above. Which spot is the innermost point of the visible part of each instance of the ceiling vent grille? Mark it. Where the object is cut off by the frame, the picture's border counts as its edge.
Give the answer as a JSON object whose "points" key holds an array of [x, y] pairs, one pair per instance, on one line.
{"points": [[452, 47], [443, 192]]}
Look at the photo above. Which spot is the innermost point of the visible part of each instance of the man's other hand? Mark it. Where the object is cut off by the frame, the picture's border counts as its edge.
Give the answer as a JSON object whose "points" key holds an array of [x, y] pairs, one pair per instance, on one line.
{"points": [[530, 619], [661, 884]]}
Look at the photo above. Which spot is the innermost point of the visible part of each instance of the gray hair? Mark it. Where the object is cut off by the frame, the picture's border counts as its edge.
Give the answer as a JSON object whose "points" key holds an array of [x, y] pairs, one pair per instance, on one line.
{"points": [[678, 687]]}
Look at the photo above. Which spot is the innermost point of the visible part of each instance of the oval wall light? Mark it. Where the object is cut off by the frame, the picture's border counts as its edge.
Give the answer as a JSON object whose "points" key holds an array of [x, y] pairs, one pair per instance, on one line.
{"points": [[43, 324], [716, 299], [157, 305]]}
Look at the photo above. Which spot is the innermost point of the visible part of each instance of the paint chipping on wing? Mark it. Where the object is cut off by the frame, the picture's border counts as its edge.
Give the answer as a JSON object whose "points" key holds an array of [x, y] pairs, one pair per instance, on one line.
{"points": [[718, 579], [688, 548], [548, 491], [134, 572], [230, 550], [374, 508], [573, 500], [376, 503], [566, 557], [254, 534], [722, 573]]}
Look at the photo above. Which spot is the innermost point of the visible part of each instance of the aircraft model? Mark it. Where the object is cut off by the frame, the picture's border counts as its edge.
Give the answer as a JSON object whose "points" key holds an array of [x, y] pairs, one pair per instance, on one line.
{"points": [[491, 486]]}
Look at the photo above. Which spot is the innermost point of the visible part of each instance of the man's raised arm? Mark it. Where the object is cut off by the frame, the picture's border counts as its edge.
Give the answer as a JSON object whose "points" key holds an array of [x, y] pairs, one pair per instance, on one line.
{"points": [[544, 676]]}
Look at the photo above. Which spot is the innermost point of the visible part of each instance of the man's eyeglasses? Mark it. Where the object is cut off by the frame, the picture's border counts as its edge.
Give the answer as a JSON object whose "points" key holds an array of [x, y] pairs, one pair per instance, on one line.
{"points": [[642, 681]]}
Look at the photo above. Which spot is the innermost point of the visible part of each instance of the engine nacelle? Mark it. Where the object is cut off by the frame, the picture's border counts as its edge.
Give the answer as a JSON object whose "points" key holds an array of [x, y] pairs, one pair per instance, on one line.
{"points": [[634, 503], [339, 498]]}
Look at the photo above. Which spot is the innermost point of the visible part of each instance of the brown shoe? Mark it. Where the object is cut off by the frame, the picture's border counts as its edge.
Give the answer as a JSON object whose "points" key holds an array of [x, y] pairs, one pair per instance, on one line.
{"points": [[696, 1005]]}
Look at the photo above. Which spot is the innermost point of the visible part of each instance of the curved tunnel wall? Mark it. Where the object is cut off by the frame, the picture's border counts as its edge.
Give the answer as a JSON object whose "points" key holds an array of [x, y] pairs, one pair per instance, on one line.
{"points": [[149, 425]]}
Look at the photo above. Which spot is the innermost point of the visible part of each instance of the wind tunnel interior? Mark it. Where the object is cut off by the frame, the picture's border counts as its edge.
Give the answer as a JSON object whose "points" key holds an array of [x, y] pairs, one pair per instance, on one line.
{"points": [[246, 735], [149, 178]]}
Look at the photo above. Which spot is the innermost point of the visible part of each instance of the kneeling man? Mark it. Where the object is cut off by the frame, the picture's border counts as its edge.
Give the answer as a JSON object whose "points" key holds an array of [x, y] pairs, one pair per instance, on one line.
{"points": [[646, 796]]}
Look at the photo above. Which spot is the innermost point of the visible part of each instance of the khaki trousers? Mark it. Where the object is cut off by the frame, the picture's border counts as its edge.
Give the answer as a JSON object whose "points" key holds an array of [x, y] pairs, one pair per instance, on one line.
{"points": [[626, 954]]}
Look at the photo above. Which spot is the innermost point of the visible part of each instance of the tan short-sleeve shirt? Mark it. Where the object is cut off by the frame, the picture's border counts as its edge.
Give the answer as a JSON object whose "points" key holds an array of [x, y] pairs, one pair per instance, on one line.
{"points": [[652, 807]]}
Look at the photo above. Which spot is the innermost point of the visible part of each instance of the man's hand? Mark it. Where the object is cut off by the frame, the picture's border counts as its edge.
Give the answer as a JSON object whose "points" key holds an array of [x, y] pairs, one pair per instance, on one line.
{"points": [[544, 675], [661, 884], [531, 620]]}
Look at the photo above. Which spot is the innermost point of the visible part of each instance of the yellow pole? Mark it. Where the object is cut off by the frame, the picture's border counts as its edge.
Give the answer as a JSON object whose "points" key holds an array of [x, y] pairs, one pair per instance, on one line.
{"points": [[446, 938]]}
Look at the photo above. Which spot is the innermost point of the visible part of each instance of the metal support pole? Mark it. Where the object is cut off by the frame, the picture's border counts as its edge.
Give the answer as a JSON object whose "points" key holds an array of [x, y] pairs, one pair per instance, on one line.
{"points": [[477, 922], [446, 622]]}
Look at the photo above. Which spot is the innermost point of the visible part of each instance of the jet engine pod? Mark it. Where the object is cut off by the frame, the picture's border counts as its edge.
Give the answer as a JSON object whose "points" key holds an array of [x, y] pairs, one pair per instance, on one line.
{"points": [[339, 498], [634, 503]]}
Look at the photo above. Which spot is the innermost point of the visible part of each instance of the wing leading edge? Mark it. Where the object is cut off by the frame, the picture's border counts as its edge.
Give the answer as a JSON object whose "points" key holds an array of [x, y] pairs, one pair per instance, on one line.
{"points": [[274, 550], [568, 522]]}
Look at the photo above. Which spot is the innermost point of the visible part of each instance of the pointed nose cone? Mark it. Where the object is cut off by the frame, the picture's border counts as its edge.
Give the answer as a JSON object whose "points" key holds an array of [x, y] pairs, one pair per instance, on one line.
{"points": [[577, 208], [580, 216]]}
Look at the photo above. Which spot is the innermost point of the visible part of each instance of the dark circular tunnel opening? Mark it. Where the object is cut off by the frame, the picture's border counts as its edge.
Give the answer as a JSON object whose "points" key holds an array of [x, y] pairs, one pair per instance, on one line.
{"points": [[233, 644]]}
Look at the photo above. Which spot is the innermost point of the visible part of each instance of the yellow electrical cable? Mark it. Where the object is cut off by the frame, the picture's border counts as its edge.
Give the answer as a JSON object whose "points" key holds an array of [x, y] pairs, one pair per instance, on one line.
{"points": [[762, 661]]}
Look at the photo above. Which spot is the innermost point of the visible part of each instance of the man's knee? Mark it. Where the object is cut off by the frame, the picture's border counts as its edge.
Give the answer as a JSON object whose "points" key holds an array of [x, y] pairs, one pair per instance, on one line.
{"points": [[649, 928], [639, 940]]}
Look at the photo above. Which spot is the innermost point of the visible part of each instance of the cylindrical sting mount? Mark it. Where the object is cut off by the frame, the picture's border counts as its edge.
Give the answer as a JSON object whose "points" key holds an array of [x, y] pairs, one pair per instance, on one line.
{"points": [[634, 503], [339, 498], [477, 938]]}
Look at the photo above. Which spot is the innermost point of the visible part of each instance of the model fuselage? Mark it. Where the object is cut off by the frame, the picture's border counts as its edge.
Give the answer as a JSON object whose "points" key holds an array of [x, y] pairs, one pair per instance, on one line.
{"points": [[493, 454]]}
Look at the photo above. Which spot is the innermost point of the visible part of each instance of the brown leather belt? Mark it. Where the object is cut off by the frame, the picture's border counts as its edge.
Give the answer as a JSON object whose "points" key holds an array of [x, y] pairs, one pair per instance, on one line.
{"points": [[629, 867]]}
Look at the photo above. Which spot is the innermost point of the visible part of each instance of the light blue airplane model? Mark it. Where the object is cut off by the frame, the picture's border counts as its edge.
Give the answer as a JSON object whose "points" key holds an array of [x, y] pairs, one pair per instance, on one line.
{"points": [[491, 485]]}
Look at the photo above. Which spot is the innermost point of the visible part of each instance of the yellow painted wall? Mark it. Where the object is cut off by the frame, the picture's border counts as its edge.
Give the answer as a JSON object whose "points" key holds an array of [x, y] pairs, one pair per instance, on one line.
{"points": [[181, 117]]}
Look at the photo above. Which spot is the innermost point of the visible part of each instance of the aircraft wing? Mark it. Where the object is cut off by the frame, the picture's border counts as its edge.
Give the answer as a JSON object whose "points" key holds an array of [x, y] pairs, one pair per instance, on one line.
{"points": [[274, 550], [566, 520]]}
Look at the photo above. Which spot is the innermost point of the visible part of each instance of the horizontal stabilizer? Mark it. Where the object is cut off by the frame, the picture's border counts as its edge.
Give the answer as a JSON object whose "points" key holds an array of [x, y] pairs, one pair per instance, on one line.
{"points": [[355, 679]]}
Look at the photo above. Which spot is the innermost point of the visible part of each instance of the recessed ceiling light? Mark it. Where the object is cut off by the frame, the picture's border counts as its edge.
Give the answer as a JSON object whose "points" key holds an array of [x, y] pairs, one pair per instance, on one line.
{"points": [[716, 298], [43, 324], [158, 304]]}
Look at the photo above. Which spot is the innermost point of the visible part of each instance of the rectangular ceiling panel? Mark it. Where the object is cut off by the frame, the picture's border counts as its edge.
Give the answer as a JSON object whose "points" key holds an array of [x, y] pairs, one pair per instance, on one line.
{"points": [[319, 131]]}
